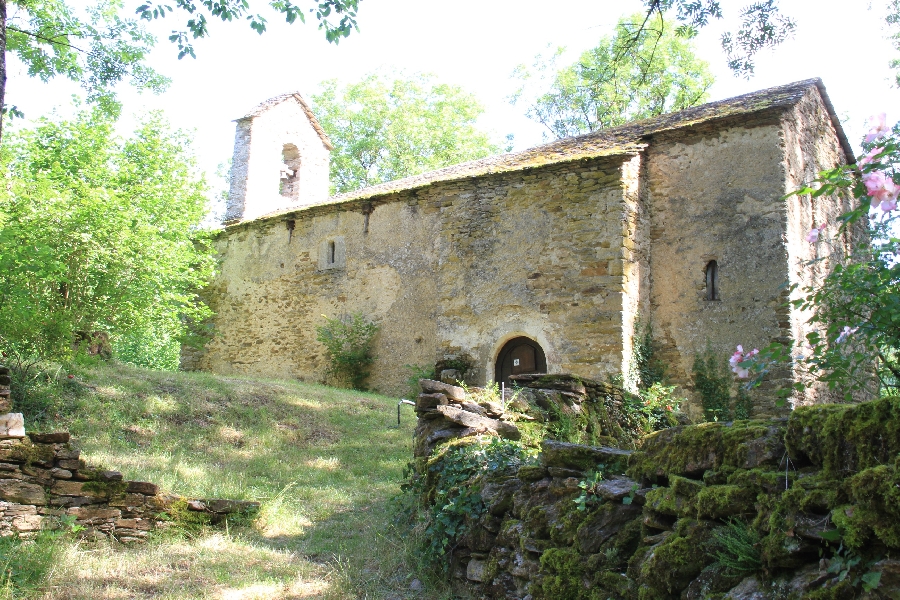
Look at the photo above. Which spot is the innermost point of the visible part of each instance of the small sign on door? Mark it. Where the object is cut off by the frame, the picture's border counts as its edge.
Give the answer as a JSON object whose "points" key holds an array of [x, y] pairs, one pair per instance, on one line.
{"points": [[515, 362]]}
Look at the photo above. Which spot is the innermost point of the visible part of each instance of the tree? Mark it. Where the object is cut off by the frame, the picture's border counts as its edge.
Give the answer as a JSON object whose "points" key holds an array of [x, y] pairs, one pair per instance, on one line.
{"points": [[99, 48], [98, 233], [762, 26], [643, 70], [387, 129]]}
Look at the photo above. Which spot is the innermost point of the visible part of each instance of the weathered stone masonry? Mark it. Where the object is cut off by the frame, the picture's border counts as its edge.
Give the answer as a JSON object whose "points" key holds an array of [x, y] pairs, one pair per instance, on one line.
{"points": [[567, 244]]}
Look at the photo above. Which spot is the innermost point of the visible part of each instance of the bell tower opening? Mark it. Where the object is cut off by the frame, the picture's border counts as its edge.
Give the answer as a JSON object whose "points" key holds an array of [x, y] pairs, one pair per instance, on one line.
{"points": [[519, 356], [289, 184]]}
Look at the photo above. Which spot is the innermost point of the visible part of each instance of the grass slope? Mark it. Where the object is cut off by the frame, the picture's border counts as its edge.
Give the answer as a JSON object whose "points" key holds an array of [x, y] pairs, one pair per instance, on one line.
{"points": [[324, 463]]}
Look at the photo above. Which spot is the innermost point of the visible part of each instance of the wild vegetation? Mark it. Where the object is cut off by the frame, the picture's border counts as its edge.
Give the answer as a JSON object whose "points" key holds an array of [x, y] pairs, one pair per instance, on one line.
{"points": [[100, 233], [389, 127], [644, 70], [325, 463]]}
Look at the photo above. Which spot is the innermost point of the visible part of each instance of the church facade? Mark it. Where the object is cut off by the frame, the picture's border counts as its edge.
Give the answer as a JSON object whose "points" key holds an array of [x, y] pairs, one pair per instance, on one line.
{"points": [[547, 260]]}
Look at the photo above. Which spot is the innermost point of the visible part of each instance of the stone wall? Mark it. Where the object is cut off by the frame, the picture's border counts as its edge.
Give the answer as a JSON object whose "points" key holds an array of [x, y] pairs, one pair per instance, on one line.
{"points": [[43, 479], [570, 245], [810, 494], [457, 268]]}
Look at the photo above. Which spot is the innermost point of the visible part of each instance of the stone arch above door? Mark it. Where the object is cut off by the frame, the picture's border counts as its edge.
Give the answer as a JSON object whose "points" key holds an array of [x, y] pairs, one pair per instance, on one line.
{"points": [[519, 356]]}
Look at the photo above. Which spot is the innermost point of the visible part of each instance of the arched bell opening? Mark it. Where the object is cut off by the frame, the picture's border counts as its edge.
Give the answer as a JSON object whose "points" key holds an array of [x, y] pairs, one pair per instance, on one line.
{"points": [[519, 356], [289, 184]]}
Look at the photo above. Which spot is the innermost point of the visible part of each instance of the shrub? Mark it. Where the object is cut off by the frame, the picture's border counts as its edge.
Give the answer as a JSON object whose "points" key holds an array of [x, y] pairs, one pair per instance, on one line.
{"points": [[348, 344], [713, 381]]}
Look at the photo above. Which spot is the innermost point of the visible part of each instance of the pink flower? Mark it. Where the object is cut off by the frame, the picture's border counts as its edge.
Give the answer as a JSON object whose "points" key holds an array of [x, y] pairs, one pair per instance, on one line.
{"points": [[847, 332], [813, 236], [881, 188], [869, 158], [889, 205], [736, 360], [877, 127]]}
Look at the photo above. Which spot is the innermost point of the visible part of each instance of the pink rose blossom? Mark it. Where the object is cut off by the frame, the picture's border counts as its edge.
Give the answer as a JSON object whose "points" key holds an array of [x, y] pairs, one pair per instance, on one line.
{"points": [[869, 158], [889, 205], [847, 332], [877, 127], [813, 236], [736, 360], [880, 187]]}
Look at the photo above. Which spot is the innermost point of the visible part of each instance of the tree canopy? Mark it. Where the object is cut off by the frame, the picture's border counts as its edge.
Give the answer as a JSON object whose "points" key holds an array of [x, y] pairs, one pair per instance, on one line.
{"points": [[385, 129], [643, 70], [98, 47], [762, 26], [98, 233]]}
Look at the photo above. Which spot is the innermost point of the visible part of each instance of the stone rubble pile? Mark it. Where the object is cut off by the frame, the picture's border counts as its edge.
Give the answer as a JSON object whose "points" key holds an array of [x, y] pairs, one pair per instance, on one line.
{"points": [[446, 412]]}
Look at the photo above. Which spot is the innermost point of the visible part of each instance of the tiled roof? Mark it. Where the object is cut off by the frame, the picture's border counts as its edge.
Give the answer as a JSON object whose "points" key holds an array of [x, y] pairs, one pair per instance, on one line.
{"points": [[623, 140], [264, 106]]}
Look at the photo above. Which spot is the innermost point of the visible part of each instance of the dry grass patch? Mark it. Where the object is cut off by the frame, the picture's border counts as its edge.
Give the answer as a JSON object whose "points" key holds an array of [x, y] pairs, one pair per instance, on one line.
{"points": [[324, 463]]}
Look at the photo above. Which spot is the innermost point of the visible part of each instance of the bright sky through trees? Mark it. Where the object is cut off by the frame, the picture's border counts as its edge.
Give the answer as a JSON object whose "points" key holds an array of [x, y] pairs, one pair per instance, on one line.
{"points": [[476, 45]]}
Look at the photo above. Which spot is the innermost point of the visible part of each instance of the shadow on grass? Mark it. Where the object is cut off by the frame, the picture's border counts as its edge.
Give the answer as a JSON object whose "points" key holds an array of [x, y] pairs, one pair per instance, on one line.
{"points": [[324, 463]]}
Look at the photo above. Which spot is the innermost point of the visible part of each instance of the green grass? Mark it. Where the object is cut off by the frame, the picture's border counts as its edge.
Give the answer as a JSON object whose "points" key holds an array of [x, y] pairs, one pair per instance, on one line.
{"points": [[325, 464]]}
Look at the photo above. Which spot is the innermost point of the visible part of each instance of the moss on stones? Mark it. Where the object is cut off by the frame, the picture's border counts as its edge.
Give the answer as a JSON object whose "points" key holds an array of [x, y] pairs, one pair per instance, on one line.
{"points": [[844, 439], [694, 449], [563, 575], [676, 561], [721, 501]]}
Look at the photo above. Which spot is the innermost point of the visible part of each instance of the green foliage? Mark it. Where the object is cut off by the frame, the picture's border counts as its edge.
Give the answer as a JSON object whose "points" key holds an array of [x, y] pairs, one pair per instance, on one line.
{"points": [[737, 547], [454, 499], [94, 46], [348, 345], [762, 26], [646, 369], [416, 373], [149, 348], [385, 129], [24, 564], [644, 70], [588, 487], [658, 405], [713, 382], [98, 233], [197, 24]]}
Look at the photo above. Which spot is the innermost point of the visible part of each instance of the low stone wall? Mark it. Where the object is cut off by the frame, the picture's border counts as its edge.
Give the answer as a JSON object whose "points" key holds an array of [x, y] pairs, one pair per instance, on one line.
{"points": [[563, 406], [809, 504], [43, 479]]}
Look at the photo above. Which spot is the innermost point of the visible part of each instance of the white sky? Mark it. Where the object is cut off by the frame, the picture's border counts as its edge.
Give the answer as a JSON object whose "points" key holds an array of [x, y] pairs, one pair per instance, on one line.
{"points": [[475, 44]]}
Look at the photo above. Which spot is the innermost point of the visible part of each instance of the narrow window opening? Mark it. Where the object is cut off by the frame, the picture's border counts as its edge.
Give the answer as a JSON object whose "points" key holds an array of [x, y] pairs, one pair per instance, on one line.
{"points": [[289, 184], [331, 254], [290, 227], [712, 280]]}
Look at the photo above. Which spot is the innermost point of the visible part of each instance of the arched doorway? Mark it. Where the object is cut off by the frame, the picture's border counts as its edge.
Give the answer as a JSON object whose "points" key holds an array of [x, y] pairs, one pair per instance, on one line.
{"points": [[518, 356]]}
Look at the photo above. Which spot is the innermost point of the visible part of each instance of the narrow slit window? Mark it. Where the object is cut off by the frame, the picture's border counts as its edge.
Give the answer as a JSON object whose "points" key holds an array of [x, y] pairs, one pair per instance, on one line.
{"points": [[712, 280], [331, 252]]}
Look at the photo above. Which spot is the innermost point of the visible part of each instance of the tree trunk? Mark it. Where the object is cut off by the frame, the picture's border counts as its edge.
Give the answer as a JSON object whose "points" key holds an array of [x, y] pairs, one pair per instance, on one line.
{"points": [[2, 63]]}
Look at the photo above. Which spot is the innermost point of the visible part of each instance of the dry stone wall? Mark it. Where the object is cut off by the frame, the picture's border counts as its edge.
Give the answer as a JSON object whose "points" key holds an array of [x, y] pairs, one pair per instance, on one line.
{"points": [[812, 496], [43, 478]]}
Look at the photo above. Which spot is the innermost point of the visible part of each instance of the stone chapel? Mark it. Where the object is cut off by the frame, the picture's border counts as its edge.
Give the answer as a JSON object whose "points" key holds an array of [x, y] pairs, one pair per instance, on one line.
{"points": [[544, 260]]}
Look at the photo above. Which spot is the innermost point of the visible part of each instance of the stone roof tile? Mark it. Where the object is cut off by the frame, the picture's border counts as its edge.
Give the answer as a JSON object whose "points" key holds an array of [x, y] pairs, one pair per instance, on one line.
{"points": [[624, 140]]}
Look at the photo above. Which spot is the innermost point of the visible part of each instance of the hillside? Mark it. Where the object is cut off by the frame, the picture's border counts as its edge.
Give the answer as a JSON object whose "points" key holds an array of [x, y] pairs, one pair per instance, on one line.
{"points": [[323, 462]]}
